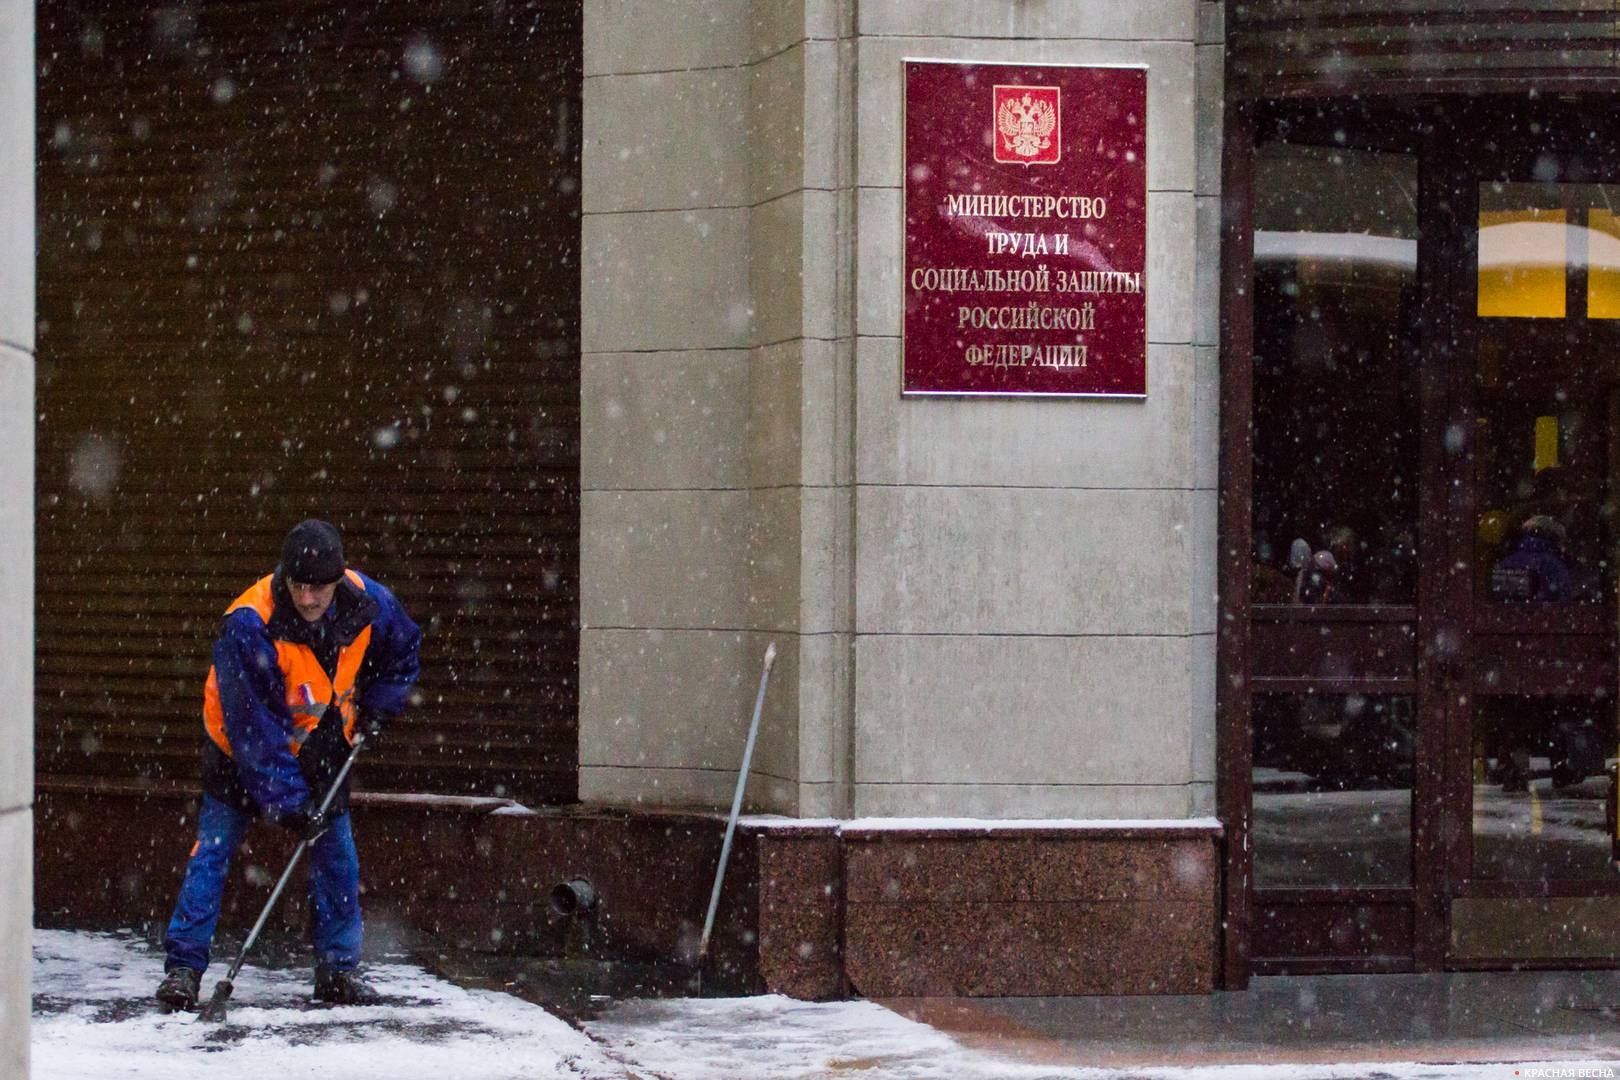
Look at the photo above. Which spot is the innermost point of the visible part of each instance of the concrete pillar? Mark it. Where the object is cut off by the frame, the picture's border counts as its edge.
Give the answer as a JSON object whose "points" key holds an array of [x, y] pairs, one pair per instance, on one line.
{"points": [[988, 607], [715, 517], [666, 327], [16, 527]]}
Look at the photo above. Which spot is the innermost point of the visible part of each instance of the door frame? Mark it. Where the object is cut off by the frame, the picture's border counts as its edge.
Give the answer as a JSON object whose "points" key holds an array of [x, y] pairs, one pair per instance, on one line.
{"points": [[1442, 766], [1456, 604]]}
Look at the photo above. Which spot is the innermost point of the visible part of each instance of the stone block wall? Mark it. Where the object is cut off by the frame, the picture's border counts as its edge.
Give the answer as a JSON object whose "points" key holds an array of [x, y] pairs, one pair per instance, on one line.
{"points": [[987, 607], [714, 475], [16, 528]]}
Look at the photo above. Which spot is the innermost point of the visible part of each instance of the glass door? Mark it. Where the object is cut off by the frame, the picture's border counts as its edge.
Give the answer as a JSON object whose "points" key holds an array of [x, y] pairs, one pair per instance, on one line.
{"points": [[1429, 668], [1525, 639], [1333, 670]]}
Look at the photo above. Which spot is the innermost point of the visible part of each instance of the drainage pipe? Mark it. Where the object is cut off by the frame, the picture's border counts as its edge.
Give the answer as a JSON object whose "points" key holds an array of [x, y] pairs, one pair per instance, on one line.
{"points": [[574, 897]]}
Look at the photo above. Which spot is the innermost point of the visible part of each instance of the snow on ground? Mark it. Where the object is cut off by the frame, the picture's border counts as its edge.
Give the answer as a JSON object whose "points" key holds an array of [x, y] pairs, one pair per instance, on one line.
{"points": [[94, 1020]]}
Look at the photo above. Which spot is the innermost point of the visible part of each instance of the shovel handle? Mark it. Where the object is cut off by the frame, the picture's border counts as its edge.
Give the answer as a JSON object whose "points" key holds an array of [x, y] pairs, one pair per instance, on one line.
{"points": [[736, 803], [298, 853]]}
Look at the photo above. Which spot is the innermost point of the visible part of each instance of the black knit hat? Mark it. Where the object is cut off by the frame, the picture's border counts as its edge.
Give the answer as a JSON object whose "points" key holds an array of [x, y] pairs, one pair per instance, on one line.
{"points": [[312, 554]]}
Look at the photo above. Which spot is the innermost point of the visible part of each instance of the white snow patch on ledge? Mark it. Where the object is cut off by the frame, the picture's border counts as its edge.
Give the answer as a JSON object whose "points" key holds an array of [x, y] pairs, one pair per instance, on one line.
{"points": [[448, 802], [874, 824], [1204, 824], [514, 810], [782, 821]]}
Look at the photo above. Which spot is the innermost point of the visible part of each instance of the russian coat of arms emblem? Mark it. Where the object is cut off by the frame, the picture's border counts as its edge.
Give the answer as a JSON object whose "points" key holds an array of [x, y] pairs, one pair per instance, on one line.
{"points": [[1027, 125]]}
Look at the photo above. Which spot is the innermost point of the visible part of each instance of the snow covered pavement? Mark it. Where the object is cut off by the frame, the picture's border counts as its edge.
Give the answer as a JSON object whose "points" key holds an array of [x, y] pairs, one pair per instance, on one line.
{"points": [[94, 1020]]}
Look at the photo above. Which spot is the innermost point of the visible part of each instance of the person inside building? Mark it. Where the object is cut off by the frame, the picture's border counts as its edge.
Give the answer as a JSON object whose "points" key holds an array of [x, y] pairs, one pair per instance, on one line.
{"points": [[1270, 584], [307, 657], [1490, 538], [1349, 581], [1535, 569], [1317, 580], [1393, 572]]}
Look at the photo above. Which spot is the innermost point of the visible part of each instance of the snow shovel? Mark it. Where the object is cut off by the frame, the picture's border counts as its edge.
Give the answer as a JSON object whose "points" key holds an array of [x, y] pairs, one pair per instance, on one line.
{"points": [[214, 1011], [736, 807]]}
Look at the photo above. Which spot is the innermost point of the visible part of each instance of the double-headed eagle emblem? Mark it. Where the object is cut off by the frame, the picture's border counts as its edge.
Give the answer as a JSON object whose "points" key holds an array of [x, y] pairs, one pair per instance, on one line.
{"points": [[1026, 125]]}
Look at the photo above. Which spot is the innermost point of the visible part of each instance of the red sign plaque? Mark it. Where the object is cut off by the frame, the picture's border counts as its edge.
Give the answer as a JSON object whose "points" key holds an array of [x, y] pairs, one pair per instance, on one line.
{"points": [[1026, 229]]}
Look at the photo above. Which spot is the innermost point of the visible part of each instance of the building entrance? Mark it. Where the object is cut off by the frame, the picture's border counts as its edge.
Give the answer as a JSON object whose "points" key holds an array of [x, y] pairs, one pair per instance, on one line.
{"points": [[1427, 652]]}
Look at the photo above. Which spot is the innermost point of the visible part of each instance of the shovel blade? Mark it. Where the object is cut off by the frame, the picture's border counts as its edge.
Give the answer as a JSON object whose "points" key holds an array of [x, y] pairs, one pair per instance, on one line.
{"points": [[214, 1011]]}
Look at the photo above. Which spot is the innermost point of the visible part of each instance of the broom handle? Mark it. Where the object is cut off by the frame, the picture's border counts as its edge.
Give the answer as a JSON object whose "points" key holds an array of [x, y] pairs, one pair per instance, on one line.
{"points": [[264, 915], [736, 803], [275, 894]]}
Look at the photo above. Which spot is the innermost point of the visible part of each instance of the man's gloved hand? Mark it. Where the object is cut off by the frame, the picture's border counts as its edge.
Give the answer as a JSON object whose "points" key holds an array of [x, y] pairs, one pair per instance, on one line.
{"points": [[305, 822], [372, 724]]}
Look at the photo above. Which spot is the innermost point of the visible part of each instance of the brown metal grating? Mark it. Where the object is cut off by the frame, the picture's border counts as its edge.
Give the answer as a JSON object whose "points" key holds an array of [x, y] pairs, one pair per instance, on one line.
{"points": [[310, 258]]}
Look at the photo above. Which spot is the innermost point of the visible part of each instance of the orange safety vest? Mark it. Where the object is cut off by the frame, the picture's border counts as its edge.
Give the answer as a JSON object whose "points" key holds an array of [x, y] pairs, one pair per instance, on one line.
{"points": [[309, 692]]}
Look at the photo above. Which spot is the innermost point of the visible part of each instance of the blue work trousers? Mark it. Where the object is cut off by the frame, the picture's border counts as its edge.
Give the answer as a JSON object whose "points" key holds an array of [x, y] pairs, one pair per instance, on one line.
{"points": [[334, 890]]}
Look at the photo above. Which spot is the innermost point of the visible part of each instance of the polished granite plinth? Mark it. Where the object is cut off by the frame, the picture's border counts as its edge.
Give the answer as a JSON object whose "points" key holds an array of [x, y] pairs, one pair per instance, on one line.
{"points": [[1038, 911]]}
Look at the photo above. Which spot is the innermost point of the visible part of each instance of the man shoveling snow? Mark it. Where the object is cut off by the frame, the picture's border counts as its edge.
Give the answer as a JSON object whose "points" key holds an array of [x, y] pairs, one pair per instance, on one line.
{"points": [[310, 656]]}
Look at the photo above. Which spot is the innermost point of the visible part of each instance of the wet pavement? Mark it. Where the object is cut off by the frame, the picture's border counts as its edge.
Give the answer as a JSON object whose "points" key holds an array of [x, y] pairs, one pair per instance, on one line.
{"points": [[1341, 1028], [1437, 1019], [1433, 1018], [484, 1017]]}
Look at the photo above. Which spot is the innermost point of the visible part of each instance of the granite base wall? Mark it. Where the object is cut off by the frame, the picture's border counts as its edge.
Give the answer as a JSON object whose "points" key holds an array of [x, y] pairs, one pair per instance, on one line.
{"points": [[814, 910], [1037, 912]]}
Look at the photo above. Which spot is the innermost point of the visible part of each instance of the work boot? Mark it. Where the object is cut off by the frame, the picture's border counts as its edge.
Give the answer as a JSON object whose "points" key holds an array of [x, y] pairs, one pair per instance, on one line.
{"points": [[343, 988], [178, 990]]}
